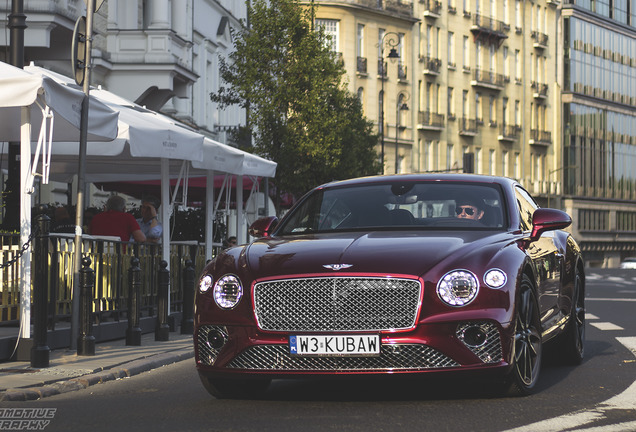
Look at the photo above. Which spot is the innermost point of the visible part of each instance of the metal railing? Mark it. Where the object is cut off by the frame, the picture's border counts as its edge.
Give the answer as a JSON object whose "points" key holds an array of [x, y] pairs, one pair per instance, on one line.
{"points": [[489, 78], [539, 90], [111, 261], [541, 39], [401, 71], [361, 65], [538, 136], [432, 6], [489, 24], [430, 64], [430, 119], [468, 126]]}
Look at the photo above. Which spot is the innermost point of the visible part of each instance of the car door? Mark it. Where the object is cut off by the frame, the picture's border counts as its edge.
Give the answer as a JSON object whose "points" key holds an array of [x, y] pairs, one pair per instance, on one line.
{"points": [[548, 261]]}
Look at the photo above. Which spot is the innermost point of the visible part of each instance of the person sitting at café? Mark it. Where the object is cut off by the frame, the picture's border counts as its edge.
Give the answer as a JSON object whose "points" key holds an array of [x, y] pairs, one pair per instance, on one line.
{"points": [[230, 242], [62, 222], [114, 221], [148, 222]]}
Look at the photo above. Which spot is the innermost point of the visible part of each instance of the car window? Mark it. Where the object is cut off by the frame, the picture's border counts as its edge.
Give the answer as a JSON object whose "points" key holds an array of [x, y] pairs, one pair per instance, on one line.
{"points": [[527, 206], [398, 205]]}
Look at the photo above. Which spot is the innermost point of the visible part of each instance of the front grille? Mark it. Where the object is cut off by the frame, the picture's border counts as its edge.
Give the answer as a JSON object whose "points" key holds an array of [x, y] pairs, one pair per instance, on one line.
{"points": [[337, 304], [392, 357]]}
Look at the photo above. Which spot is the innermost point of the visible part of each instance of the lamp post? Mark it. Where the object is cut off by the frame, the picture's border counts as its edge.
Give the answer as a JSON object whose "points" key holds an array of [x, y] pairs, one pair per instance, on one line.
{"points": [[399, 106], [390, 40]]}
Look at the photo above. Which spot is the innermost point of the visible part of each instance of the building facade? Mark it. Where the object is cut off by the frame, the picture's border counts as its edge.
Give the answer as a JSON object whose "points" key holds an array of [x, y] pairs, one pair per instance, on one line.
{"points": [[503, 87], [599, 126], [377, 43], [482, 83], [162, 54]]}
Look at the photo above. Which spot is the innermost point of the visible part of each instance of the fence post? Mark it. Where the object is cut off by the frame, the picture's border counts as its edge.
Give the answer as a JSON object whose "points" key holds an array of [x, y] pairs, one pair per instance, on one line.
{"points": [[133, 333], [86, 340], [40, 351], [187, 321], [162, 331]]}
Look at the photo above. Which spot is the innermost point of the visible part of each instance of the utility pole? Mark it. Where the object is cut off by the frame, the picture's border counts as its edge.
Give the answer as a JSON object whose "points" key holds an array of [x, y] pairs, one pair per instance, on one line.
{"points": [[91, 8]]}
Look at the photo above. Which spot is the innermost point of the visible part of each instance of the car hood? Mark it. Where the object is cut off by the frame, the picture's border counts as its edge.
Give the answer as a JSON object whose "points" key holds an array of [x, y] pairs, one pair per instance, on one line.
{"points": [[405, 253]]}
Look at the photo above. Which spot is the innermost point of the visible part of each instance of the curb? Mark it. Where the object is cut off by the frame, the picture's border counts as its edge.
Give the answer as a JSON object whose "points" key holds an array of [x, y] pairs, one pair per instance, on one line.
{"points": [[125, 370]]}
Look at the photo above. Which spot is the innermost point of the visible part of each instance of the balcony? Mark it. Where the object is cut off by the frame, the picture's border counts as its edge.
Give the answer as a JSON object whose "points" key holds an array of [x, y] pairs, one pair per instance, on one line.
{"points": [[539, 91], [401, 71], [487, 79], [508, 133], [540, 39], [489, 29], [430, 121], [432, 8], [430, 65], [382, 68], [540, 137], [468, 127], [361, 65], [398, 8]]}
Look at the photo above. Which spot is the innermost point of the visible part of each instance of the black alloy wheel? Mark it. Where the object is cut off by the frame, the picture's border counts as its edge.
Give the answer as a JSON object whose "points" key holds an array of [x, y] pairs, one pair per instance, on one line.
{"points": [[528, 346]]}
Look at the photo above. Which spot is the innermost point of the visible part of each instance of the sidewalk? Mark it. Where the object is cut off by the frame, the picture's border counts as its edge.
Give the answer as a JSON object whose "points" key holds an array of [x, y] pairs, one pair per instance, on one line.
{"points": [[69, 372]]}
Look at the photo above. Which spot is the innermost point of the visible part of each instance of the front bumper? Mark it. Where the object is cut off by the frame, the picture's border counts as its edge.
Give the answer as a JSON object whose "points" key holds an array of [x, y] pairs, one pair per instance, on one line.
{"points": [[432, 347]]}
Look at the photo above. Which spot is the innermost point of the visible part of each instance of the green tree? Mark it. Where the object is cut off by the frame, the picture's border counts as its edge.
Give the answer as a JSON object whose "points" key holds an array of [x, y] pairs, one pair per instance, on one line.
{"points": [[300, 112]]}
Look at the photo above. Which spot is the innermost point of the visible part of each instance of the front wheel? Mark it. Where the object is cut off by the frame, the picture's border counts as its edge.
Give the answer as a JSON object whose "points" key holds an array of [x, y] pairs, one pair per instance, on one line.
{"points": [[235, 388], [527, 346]]}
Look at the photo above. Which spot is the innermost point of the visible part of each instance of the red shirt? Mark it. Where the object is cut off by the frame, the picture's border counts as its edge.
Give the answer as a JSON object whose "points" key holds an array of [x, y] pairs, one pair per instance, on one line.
{"points": [[114, 223]]}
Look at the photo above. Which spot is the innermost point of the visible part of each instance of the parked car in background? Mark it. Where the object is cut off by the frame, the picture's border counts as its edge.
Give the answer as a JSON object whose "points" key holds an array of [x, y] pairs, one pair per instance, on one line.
{"points": [[629, 263], [401, 274]]}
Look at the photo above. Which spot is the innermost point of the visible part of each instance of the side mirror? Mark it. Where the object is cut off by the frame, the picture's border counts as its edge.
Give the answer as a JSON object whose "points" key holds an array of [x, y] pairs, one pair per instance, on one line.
{"points": [[263, 227], [548, 220]]}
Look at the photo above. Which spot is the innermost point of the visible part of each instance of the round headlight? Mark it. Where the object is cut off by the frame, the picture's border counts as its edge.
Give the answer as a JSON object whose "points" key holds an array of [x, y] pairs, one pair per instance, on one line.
{"points": [[458, 288], [228, 291], [205, 284], [495, 278]]}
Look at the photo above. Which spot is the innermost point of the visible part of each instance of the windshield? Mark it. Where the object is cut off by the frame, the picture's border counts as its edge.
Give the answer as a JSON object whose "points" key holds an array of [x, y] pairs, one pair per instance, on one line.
{"points": [[398, 205]]}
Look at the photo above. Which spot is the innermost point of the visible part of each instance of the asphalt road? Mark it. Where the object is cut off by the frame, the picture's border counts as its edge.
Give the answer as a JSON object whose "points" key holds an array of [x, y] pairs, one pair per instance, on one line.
{"points": [[595, 396]]}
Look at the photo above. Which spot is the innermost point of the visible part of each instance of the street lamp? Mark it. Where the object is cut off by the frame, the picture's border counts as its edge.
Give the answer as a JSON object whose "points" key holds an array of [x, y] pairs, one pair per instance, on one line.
{"points": [[390, 40], [399, 106]]}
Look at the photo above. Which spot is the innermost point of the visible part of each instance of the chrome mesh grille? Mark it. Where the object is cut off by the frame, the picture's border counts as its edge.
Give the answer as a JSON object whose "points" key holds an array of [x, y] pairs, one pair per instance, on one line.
{"points": [[490, 351], [207, 354], [392, 357], [337, 304]]}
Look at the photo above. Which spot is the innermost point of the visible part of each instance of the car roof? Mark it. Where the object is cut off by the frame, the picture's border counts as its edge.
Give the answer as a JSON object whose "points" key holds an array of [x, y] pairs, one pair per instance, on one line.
{"points": [[450, 177]]}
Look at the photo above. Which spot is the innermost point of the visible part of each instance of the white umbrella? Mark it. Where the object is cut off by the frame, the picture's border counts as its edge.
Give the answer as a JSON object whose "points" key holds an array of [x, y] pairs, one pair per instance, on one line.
{"points": [[22, 89], [27, 98], [145, 132], [146, 144], [220, 157]]}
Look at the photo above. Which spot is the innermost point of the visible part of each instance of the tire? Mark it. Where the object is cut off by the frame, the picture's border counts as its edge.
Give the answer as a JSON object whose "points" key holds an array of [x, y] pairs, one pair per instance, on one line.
{"points": [[527, 344], [571, 348], [228, 388]]}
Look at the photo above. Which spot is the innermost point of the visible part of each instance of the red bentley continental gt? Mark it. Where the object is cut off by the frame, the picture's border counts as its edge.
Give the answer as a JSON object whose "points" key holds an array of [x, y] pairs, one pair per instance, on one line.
{"points": [[402, 274]]}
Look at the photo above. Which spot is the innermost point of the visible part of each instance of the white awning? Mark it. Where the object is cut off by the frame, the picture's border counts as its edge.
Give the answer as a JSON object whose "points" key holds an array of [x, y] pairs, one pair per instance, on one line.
{"points": [[19, 88]]}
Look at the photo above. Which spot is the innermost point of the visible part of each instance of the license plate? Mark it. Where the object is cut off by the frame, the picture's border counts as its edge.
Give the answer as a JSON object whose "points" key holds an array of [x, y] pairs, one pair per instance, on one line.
{"points": [[335, 345]]}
